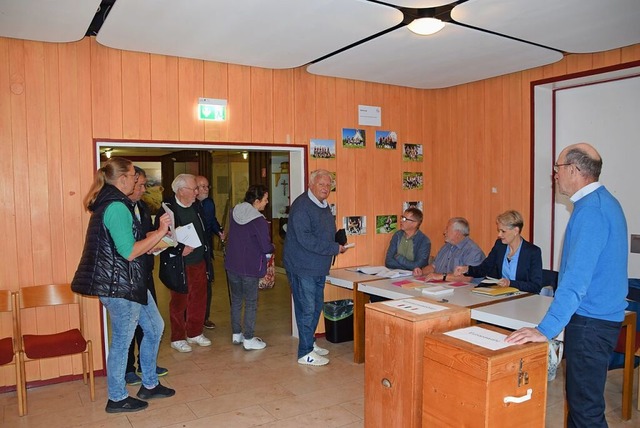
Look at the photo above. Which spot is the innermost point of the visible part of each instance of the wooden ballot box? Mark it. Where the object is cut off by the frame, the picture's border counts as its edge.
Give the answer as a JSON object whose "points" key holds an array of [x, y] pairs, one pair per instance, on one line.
{"points": [[394, 341], [467, 385]]}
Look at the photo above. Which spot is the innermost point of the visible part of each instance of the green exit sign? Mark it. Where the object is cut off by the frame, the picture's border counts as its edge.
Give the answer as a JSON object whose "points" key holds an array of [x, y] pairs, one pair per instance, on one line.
{"points": [[212, 109]]}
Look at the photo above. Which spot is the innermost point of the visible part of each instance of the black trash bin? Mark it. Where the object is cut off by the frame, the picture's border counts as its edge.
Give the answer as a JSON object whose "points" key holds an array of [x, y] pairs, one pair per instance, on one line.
{"points": [[338, 320]]}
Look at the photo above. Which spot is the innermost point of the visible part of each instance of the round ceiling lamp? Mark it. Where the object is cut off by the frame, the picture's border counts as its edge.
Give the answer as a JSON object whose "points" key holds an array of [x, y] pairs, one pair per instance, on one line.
{"points": [[426, 26]]}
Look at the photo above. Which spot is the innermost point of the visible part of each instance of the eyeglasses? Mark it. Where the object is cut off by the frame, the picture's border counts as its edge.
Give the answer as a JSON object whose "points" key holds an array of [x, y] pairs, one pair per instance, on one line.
{"points": [[135, 175], [403, 218], [204, 186], [557, 166], [193, 189]]}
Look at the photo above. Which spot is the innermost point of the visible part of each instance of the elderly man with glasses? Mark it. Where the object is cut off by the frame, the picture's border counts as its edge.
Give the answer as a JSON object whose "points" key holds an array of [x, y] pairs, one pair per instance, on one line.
{"points": [[409, 247], [589, 303], [458, 250], [185, 270]]}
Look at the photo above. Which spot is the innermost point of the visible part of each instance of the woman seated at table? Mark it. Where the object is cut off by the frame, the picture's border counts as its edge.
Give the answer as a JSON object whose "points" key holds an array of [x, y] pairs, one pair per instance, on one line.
{"points": [[513, 260]]}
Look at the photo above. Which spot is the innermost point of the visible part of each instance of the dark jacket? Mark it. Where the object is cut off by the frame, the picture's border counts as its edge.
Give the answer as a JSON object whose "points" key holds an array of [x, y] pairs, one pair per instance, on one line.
{"points": [[528, 272], [172, 272], [148, 259], [102, 271], [211, 225], [310, 244]]}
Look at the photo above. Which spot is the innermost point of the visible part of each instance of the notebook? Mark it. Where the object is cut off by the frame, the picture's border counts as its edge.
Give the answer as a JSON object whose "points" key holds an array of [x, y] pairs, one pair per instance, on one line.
{"points": [[494, 290]]}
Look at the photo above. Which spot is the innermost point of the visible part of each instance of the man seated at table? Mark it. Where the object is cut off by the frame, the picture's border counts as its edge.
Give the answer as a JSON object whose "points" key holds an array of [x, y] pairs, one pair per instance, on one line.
{"points": [[458, 250], [409, 247]]}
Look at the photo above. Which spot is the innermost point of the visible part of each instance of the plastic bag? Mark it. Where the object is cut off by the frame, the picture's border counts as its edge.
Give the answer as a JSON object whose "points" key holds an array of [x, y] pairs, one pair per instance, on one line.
{"points": [[269, 279], [555, 356]]}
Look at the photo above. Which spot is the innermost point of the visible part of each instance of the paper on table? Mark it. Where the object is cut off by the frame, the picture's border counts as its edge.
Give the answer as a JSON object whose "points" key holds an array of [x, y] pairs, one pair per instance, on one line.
{"points": [[436, 290], [489, 280], [410, 284], [447, 283], [415, 306], [480, 336], [187, 235], [458, 284], [384, 272]]}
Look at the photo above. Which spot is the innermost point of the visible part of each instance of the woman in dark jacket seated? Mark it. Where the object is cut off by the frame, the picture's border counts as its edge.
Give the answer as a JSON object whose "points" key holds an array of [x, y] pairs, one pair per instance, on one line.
{"points": [[514, 261]]}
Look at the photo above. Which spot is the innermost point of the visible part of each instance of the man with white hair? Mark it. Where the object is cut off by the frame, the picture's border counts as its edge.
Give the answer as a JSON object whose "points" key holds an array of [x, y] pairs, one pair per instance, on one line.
{"points": [[458, 250], [186, 270], [309, 248]]}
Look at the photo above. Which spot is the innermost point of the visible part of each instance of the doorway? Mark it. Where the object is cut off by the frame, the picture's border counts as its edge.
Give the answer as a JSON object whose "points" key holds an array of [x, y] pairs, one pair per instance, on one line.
{"points": [[288, 165]]}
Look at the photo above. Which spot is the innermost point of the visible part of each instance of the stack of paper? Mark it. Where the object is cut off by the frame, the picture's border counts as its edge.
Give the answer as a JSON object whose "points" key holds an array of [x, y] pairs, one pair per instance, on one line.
{"points": [[436, 290]]}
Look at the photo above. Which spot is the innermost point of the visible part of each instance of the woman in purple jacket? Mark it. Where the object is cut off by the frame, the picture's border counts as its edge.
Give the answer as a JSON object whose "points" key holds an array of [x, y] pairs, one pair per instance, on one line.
{"points": [[248, 248]]}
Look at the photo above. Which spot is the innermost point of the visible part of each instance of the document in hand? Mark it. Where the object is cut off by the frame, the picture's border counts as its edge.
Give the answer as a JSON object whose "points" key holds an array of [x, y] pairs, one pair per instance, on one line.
{"points": [[171, 238], [494, 290], [188, 235], [164, 243]]}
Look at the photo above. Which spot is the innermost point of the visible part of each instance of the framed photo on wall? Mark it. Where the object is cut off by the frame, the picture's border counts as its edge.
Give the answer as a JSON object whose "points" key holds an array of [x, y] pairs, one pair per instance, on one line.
{"points": [[412, 180], [386, 223], [353, 138], [412, 152], [386, 140]]}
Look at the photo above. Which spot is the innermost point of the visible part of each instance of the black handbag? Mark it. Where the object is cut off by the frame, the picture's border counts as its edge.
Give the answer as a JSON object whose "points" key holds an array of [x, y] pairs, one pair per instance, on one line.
{"points": [[341, 237]]}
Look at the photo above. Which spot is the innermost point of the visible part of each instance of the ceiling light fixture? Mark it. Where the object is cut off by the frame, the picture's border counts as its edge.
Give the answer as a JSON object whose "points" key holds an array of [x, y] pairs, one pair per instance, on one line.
{"points": [[426, 26], [245, 155], [107, 153]]}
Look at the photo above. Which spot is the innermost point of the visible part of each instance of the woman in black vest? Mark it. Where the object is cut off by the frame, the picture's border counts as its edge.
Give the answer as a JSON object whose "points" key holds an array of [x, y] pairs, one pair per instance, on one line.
{"points": [[111, 267]]}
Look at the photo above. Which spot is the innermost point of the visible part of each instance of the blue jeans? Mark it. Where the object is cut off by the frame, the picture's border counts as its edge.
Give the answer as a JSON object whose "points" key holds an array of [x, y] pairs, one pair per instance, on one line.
{"points": [[243, 288], [308, 300], [588, 343], [124, 316]]}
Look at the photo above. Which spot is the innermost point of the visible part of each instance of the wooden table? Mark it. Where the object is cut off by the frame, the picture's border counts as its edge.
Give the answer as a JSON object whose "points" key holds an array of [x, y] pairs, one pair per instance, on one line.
{"points": [[461, 296]]}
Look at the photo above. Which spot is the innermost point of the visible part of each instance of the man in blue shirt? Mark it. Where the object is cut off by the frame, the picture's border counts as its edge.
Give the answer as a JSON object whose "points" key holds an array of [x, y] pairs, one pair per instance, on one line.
{"points": [[592, 285], [458, 250]]}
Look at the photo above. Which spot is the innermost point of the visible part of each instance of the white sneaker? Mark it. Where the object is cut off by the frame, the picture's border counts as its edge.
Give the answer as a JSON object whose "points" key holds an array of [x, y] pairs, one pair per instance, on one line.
{"points": [[320, 351], [181, 346], [200, 340], [313, 359], [237, 338], [253, 343]]}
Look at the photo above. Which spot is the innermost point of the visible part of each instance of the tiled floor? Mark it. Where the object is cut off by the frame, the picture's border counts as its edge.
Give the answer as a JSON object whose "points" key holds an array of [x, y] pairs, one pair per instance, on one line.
{"points": [[226, 386]]}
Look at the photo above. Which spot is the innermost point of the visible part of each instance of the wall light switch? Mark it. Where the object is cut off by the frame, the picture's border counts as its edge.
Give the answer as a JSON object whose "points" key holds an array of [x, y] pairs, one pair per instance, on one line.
{"points": [[494, 190]]}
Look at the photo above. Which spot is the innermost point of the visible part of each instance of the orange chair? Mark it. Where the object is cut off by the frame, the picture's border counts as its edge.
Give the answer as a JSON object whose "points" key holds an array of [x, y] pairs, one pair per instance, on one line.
{"points": [[57, 344], [8, 349]]}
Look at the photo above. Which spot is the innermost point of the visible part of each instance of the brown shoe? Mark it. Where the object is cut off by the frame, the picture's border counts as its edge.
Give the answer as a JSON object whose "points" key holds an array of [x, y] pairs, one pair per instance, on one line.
{"points": [[209, 324]]}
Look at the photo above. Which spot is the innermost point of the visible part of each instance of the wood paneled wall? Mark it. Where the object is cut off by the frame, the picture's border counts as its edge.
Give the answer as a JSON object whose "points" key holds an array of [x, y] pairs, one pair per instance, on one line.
{"points": [[56, 98]]}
